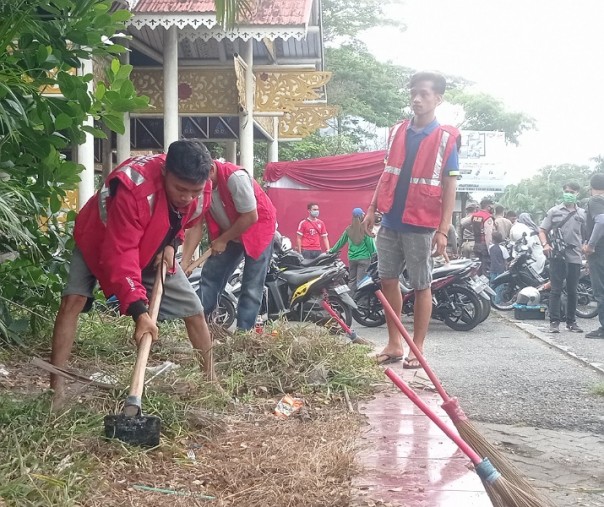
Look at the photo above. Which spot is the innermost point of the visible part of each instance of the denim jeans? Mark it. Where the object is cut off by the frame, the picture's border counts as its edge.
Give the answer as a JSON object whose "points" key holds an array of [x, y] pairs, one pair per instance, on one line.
{"points": [[216, 272], [560, 270], [311, 254], [596, 273], [499, 289]]}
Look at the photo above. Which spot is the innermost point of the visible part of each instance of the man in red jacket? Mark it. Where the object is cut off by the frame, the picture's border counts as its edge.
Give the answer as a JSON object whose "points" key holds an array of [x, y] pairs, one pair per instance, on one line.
{"points": [[241, 222], [131, 225], [416, 193]]}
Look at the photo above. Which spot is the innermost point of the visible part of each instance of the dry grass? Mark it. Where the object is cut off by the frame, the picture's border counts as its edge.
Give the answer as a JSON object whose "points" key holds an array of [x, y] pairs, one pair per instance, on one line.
{"points": [[221, 443]]}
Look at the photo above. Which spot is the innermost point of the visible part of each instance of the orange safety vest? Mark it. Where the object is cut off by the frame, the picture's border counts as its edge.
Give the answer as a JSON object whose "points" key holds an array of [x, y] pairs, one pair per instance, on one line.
{"points": [[478, 220], [424, 199], [260, 235]]}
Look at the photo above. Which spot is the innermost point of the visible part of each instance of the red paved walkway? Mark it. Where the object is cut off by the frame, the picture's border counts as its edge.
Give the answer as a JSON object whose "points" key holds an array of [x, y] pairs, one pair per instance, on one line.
{"points": [[407, 460]]}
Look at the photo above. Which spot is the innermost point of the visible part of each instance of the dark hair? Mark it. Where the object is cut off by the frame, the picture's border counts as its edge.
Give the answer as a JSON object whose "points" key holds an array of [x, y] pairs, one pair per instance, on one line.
{"points": [[439, 83], [497, 237], [510, 213], [486, 202], [311, 204], [189, 160], [573, 185], [597, 181], [499, 209]]}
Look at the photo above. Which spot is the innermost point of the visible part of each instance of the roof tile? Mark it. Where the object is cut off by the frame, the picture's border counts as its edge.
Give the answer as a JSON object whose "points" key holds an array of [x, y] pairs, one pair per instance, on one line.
{"points": [[264, 12]]}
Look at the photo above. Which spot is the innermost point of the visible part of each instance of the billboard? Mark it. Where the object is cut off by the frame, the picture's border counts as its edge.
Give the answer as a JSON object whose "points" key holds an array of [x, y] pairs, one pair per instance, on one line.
{"points": [[482, 162]]}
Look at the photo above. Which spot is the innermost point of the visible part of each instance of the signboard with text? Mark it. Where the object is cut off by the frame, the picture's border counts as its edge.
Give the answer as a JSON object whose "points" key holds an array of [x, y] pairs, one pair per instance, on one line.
{"points": [[482, 161]]}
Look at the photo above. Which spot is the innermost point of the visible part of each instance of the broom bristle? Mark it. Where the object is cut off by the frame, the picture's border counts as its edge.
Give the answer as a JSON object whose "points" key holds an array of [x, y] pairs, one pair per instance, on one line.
{"points": [[509, 495], [474, 438]]}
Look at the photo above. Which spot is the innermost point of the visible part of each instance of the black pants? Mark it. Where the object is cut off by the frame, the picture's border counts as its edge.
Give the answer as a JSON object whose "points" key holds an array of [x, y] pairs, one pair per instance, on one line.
{"points": [[596, 273], [560, 270], [482, 252]]}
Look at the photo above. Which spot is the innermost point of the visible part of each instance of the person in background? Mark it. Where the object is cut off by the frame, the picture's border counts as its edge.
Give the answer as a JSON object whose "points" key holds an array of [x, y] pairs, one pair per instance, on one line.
{"points": [[311, 233], [482, 225], [594, 248], [241, 222], [416, 194], [499, 255], [466, 232], [361, 246], [501, 224], [132, 225], [564, 265], [511, 216], [525, 227]]}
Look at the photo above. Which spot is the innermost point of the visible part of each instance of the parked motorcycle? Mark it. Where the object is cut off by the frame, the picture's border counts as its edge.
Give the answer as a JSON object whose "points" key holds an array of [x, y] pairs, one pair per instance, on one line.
{"points": [[520, 274], [455, 294]]}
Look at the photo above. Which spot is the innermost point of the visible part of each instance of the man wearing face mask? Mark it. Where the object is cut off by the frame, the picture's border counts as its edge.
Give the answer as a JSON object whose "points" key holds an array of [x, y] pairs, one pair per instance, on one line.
{"points": [[561, 233], [311, 233]]}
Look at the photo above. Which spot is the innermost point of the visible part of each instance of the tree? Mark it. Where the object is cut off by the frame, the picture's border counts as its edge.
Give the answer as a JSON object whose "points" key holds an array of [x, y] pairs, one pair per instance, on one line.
{"points": [[538, 194], [485, 112], [45, 41]]}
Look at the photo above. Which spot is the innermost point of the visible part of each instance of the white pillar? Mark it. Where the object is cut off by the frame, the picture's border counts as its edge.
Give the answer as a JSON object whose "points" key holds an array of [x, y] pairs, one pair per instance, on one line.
{"points": [[170, 87], [231, 152], [246, 118], [86, 150], [123, 140], [273, 146]]}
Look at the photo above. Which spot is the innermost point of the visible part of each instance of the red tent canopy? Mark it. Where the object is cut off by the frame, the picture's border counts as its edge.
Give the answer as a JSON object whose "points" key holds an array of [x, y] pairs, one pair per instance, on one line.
{"points": [[338, 184]]}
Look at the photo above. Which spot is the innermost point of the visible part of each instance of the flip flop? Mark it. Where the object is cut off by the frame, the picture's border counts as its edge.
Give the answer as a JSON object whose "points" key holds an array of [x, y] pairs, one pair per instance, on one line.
{"points": [[389, 359], [407, 363]]}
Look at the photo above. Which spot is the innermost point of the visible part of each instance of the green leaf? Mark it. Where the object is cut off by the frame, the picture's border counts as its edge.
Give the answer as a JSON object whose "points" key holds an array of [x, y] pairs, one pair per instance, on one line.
{"points": [[121, 16], [62, 121], [94, 131], [114, 122], [115, 66]]}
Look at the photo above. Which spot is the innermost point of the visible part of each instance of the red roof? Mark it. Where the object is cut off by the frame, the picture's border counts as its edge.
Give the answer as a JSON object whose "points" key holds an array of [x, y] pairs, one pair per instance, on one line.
{"points": [[264, 12]]}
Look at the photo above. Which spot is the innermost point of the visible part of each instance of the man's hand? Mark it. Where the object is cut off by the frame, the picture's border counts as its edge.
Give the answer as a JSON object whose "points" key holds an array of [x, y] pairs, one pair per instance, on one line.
{"points": [[144, 324], [369, 221], [439, 244], [547, 249], [218, 246], [167, 256], [588, 250]]}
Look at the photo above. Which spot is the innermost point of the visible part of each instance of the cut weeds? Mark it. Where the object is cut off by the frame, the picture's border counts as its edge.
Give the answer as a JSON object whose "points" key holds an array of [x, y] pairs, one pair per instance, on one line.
{"points": [[220, 443]]}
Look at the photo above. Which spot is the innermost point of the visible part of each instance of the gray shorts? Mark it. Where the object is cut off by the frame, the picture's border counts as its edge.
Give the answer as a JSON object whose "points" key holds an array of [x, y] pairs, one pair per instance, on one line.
{"points": [[179, 300], [413, 250]]}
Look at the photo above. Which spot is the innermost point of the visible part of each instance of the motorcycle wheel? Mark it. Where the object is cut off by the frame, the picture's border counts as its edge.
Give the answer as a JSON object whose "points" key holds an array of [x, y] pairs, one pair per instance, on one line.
{"points": [[508, 296], [224, 314], [468, 309], [342, 310], [369, 311], [587, 307], [485, 309]]}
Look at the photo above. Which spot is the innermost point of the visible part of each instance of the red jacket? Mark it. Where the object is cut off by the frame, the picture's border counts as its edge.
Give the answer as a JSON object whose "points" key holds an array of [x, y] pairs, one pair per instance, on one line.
{"points": [[479, 218], [424, 200], [119, 233], [259, 235]]}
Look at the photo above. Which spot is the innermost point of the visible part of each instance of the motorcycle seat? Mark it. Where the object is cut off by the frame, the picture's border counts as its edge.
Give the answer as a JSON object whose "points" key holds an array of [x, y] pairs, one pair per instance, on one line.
{"points": [[448, 269], [299, 276]]}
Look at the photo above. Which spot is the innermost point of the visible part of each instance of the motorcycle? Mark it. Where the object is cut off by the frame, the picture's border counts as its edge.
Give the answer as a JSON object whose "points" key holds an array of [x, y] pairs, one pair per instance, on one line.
{"points": [[455, 294], [301, 291], [520, 274]]}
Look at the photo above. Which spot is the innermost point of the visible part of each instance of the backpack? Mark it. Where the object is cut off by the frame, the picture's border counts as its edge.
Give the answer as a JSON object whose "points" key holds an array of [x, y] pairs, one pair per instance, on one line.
{"points": [[556, 239]]}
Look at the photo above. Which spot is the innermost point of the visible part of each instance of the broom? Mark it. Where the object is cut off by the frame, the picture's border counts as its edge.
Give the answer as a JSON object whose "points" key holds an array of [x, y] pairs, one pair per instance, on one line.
{"points": [[502, 492], [466, 429]]}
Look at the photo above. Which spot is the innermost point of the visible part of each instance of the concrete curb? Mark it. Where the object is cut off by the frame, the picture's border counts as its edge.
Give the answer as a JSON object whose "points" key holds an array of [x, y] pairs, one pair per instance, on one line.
{"points": [[545, 338]]}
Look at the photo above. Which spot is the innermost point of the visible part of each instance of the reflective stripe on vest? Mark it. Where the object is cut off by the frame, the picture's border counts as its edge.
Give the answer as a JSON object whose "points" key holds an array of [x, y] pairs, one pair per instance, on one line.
{"points": [[391, 140], [198, 209], [136, 178], [392, 170], [151, 201], [435, 180]]}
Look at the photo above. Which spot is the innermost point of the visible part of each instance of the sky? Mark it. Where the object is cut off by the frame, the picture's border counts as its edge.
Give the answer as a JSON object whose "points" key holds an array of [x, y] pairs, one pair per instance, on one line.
{"points": [[543, 58]]}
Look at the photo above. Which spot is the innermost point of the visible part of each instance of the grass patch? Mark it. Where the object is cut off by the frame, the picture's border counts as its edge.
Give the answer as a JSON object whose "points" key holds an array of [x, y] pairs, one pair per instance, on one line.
{"points": [[599, 389], [220, 442]]}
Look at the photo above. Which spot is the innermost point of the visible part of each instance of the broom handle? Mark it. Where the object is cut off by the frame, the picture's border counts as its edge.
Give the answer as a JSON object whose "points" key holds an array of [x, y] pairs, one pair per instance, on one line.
{"points": [[418, 355], [419, 403], [137, 384]]}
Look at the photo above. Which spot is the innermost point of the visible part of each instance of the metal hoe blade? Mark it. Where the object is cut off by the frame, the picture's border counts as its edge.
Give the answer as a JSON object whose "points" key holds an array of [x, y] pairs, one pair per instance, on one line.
{"points": [[142, 430]]}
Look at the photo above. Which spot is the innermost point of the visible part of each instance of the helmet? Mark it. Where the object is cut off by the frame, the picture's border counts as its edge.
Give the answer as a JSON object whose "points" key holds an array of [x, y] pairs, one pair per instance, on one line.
{"points": [[529, 296]]}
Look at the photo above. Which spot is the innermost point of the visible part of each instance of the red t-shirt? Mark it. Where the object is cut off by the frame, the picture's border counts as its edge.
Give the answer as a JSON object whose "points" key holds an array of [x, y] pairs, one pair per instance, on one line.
{"points": [[311, 232]]}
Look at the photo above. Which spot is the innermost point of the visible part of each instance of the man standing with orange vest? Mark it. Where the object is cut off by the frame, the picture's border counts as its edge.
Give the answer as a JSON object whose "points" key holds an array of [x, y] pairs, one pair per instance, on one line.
{"points": [[241, 223], [483, 225], [416, 194]]}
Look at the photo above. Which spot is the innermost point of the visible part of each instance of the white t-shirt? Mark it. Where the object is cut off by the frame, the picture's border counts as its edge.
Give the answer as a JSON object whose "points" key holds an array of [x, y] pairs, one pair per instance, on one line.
{"points": [[242, 190]]}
